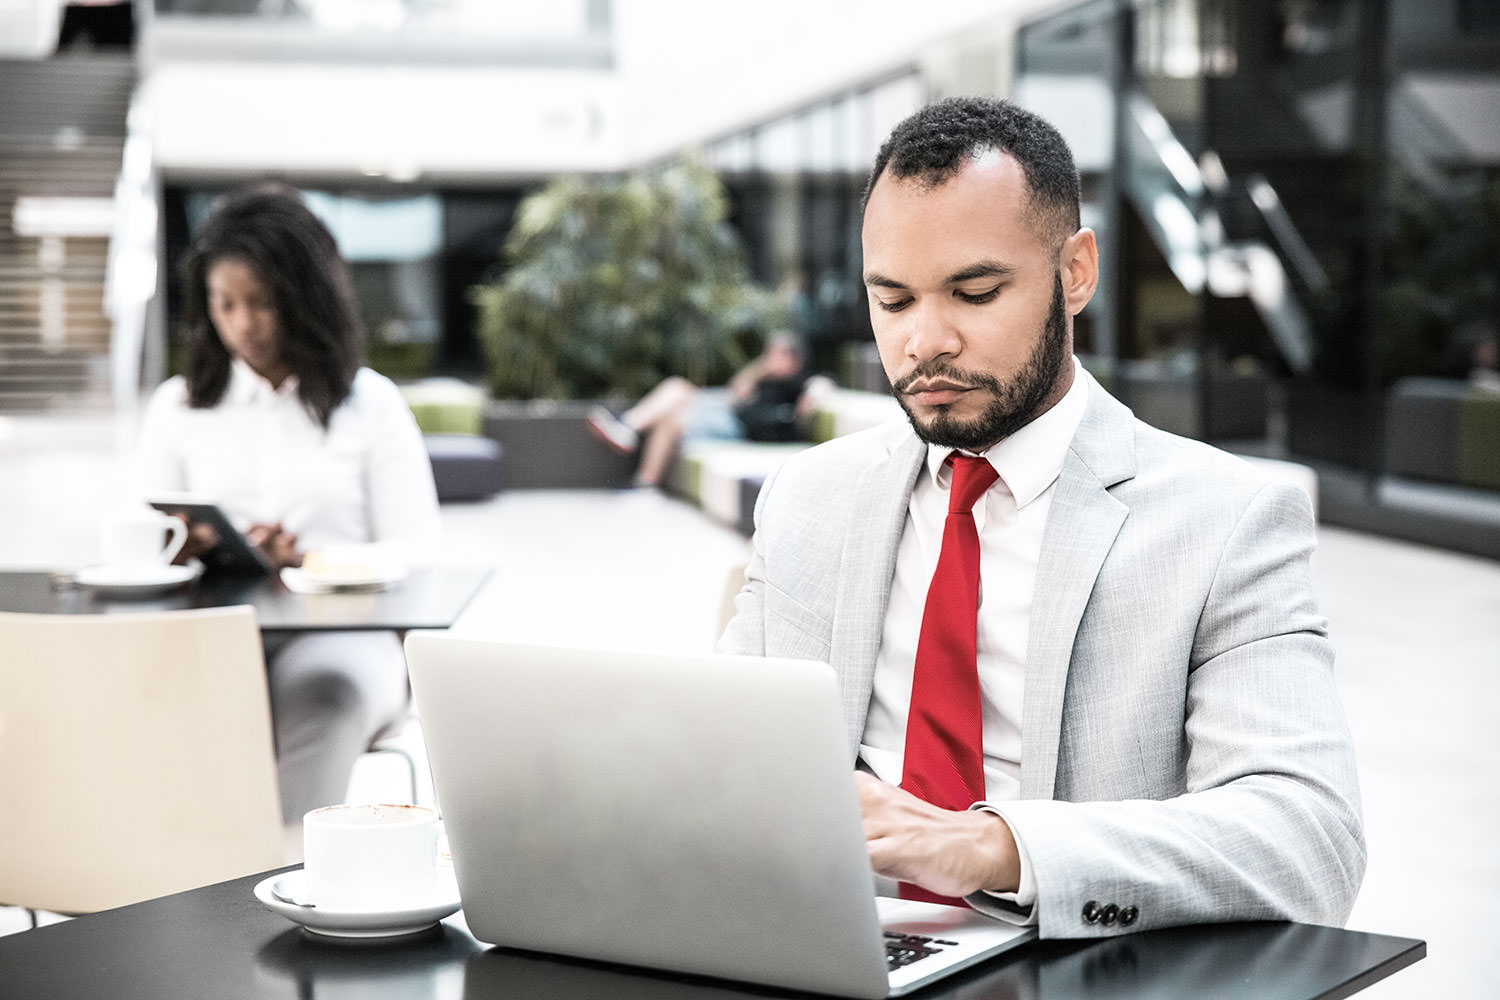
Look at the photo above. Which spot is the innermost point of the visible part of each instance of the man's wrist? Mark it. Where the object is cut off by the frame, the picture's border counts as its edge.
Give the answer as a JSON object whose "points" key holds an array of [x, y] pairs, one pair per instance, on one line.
{"points": [[1004, 868], [1024, 893]]}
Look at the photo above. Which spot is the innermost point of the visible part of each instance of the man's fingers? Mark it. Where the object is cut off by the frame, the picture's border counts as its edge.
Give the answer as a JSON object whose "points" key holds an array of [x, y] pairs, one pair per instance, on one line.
{"points": [[946, 851]]}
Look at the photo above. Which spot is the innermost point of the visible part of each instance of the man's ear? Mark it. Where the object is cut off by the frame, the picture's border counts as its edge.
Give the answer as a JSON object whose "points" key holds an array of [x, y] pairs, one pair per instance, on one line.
{"points": [[1078, 262]]}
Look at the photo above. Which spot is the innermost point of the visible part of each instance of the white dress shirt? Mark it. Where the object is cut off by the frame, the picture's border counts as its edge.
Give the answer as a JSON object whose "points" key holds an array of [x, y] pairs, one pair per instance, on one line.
{"points": [[262, 457], [1010, 519]]}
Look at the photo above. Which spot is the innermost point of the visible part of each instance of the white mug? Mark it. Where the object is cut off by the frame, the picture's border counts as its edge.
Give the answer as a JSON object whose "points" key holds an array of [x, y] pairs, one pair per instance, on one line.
{"points": [[138, 539], [371, 857]]}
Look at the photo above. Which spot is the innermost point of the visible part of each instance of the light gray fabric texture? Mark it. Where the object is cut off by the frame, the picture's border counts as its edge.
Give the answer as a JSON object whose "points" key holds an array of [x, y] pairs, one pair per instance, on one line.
{"points": [[331, 693], [1184, 749]]}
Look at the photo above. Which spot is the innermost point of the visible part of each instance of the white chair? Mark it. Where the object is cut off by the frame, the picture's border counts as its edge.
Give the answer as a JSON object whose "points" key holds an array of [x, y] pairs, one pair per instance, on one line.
{"points": [[136, 756]]}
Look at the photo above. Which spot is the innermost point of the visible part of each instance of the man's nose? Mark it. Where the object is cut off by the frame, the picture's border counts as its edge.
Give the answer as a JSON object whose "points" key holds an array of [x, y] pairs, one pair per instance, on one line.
{"points": [[932, 334]]}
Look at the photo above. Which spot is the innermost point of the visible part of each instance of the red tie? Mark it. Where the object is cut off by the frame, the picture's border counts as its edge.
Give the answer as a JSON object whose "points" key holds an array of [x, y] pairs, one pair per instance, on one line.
{"points": [[944, 761]]}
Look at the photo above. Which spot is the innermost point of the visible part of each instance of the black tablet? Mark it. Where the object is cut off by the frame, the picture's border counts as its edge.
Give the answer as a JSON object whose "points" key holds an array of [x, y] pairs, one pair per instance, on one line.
{"points": [[233, 554]]}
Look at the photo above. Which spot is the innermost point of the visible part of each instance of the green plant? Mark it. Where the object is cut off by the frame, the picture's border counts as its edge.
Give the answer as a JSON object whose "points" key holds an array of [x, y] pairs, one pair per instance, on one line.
{"points": [[1442, 264], [612, 283], [1437, 267]]}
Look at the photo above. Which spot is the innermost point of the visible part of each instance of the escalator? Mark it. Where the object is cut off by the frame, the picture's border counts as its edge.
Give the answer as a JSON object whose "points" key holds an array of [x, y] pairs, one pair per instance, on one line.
{"points": [[1183, 203]]}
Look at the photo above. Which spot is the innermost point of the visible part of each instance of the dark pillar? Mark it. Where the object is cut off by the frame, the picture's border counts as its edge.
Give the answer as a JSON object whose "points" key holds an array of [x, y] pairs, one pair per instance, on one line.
{"points": [[1371, 87]]}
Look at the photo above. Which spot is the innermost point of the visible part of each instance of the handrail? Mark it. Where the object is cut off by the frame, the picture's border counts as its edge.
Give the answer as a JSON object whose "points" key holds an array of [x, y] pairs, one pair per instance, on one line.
{"points": [[1179, 203], [1294, 248]]}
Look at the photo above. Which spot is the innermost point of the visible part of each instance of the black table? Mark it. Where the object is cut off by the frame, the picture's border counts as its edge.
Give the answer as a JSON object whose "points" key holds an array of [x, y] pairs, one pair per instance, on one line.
{"points": [[429, 597], [220, 942]]}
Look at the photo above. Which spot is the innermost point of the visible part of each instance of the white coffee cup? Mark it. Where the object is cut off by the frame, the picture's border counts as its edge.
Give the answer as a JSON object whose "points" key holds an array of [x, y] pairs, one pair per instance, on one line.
{"points": [[370, 857], [141, 539]]}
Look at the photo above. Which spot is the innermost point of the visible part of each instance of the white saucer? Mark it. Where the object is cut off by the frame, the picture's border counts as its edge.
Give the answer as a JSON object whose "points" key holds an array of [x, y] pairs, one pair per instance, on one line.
{"points": [[300, 581], [137, 580], [349, 924]]}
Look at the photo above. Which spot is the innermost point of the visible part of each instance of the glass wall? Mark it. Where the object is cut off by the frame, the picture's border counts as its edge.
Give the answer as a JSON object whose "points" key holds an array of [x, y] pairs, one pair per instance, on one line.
{"points": [[1299, 210], [795, 182], [1066, 71], [1298, 206], [413, 254]]}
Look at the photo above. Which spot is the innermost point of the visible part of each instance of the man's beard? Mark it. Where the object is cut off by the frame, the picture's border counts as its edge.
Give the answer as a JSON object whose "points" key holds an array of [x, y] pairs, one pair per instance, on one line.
{"points": [[1012, 406]]}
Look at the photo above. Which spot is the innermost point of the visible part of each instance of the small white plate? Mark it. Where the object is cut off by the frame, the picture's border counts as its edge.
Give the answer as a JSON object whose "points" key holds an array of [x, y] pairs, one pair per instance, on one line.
{"points": [[358, 924], [299, 581], [137, 581]]}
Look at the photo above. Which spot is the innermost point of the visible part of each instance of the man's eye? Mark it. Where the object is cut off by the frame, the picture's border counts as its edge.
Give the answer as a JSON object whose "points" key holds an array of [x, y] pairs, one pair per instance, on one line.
{"points": [[979, 299], [896, 306]]}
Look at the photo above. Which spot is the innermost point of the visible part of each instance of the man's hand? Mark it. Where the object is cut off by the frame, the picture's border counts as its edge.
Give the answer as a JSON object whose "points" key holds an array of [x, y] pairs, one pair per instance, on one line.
{"points": [[945, 852], [277, 544]]}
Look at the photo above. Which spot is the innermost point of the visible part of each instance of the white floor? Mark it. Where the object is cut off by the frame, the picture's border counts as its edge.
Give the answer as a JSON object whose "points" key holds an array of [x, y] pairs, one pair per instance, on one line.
{"points": [[1418, 634]]}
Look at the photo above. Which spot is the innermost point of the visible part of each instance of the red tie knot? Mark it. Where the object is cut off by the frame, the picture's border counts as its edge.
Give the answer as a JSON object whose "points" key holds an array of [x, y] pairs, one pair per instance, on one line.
{"points": [[971, 477]]}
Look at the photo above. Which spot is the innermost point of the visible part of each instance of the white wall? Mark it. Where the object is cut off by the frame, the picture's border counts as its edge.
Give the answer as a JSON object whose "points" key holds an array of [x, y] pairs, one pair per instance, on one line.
{"points": [[684, 70], [398, 121], [691, 69]]}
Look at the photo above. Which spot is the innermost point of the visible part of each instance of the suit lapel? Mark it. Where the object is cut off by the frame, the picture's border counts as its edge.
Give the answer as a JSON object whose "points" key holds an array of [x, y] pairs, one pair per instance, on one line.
{"points": [[879, 505], [1081, 528]]}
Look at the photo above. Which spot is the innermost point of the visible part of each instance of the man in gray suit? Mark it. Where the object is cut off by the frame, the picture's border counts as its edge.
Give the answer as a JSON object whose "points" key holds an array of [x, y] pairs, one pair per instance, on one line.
{"points": [[1162, 740]]}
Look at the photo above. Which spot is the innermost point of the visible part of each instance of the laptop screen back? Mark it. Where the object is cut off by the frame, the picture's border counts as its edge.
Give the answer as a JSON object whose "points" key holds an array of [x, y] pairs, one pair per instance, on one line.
{"points": [[691, 813]]}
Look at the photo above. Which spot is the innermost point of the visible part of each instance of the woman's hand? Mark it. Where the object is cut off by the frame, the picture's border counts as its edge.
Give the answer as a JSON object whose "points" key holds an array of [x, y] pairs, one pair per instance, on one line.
{"points": [[200, 538], [278, 545]]}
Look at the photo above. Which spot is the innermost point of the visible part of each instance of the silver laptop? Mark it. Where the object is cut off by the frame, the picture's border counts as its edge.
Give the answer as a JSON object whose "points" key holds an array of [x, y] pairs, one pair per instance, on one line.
{"points": [[689, 813]]}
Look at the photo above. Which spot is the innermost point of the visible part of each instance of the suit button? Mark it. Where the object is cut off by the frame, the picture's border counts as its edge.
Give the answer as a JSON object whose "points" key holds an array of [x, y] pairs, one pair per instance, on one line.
{"points": [[1092, 911], [1128, 915], [1110, 915]]}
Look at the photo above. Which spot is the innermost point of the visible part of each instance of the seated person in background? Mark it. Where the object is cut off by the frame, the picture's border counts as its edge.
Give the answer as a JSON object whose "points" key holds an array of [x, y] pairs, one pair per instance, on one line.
{"points": [[1478, 340], [275, 420], [1085, 679], [771, 399]]}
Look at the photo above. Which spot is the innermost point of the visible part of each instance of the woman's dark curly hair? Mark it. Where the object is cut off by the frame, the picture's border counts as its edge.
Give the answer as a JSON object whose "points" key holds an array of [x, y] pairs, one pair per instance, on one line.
{"points": [[271, 230], [934, 143]]}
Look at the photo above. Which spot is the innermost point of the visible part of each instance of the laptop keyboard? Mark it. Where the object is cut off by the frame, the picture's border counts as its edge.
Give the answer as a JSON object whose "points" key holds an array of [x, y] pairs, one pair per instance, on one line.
{"points": [[902, 950]]}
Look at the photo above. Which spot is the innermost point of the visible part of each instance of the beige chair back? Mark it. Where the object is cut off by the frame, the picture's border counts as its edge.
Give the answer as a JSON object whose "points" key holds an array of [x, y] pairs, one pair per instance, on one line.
{"points": [[136, 756], [734, 582]]}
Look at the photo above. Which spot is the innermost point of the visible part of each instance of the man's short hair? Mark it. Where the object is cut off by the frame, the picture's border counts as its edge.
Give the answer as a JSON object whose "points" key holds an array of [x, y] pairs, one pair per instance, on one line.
{"points": [[933, 145]]}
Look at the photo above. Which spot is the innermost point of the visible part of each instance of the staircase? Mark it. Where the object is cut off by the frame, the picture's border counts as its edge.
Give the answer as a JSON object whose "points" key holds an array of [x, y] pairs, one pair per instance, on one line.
{"points": [[62, 131]]}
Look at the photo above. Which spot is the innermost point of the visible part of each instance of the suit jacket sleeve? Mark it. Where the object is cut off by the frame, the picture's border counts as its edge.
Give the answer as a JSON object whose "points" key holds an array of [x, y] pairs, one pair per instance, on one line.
{"points": [[1246, 805]]}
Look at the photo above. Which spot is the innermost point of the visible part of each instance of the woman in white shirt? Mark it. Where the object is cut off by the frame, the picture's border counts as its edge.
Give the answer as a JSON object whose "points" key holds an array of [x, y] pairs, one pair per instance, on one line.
{"points": [[276, 421]]}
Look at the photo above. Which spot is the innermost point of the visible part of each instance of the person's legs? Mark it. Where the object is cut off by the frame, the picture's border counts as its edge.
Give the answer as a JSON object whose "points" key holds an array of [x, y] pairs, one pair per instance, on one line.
{"points": [[653, 425], [663, 408], [667, 402], [704, 414], [331, 692], [661, 444], [663, 413]]}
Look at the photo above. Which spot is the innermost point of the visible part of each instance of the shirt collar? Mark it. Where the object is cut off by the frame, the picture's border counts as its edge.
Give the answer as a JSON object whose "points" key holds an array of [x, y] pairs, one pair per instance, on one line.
{"points": [[1031, 459], [246, 385]]}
